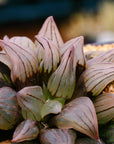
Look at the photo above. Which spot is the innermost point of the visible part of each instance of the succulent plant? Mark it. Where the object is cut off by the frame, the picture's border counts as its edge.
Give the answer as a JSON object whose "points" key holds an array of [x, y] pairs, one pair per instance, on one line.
{"points": [[107, 133], [50, 91], [104, 107], [26, 130]]}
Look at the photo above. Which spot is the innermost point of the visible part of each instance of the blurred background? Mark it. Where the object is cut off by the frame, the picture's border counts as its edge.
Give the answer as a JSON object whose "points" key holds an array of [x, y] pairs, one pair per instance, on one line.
{"points": [[94, 19]]}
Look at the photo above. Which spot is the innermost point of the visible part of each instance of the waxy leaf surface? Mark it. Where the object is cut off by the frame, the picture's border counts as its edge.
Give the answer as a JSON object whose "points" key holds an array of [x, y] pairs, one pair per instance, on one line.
{"points": [[26, 130], [51, 106], [50, 31], [104, 106], [77, 43], [9, 110], [107, 56], [96, 77], [22, 41], [31, 100], [57, 136], [48, 54], [80, 115], [24, 71], [62, 81]]}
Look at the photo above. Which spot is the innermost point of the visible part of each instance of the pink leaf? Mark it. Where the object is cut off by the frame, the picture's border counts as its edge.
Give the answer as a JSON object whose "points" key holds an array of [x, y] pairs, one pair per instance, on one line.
{"points": [[80, 115], [24, 64], [50, 31]]}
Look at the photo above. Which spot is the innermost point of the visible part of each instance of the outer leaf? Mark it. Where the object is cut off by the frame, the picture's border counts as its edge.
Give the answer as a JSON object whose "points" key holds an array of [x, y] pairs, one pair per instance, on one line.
{"points": [[80, 115], [57, 136], [48, 54], [95, 78], [88, 141], [51, 106], [50, 31], [22, 41], [107, 56], [24, 64], [26, 130], [31, 100], [9, 112], [104, 105]]}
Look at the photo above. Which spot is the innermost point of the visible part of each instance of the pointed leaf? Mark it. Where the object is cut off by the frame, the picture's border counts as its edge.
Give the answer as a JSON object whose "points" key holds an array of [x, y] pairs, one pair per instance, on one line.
{"points": [[96, 77], [31, 100], [62, 81], [48, 54], [80, 115], [24, 64], [50, 31], [57, 136], [104, 105], [26, 130], [77, 43], [51, 107], [9, 110]]}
